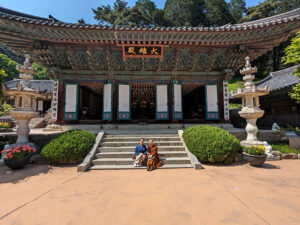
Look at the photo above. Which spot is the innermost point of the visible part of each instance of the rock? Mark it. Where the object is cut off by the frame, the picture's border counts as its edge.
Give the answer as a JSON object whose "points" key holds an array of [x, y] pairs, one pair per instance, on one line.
{"points": [[273, 158], [239, 157], [276, 153], [294, 139], [289, 156], [36, 159], [268, 150]]}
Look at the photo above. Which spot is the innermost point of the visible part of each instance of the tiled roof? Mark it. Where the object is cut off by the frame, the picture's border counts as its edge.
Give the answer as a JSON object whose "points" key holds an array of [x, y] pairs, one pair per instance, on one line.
{"points": [[280, 79], [45, 85], [277, 19]]}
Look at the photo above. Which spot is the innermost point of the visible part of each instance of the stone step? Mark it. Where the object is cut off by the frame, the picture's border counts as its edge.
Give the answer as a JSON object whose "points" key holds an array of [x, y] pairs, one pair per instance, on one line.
{"points": [[127, 143], [126, 161], [105, 155], [131, 149], [124, 167], [137, 139], [140, 135]]}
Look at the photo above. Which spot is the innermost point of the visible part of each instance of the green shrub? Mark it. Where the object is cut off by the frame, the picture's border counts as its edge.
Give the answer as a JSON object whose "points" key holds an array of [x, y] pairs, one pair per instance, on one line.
{"points": [[211, 144], [69, 147], [5, 109], [255, 150], [283, 147]]}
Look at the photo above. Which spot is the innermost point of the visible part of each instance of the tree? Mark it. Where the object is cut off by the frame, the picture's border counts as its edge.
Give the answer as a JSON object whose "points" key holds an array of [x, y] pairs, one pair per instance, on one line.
{"points": [[3, 75], [41, 73], [144, 13], [11, 54], [185, 13], [262, 10], [237, 9], [217, 13], [287, 5], [9, 66], [292, 56], [106, 14]]}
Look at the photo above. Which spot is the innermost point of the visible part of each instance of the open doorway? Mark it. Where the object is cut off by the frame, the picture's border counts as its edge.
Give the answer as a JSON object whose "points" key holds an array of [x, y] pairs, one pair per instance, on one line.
{"points": [[90, 101], [142, 102], [193, 102]]}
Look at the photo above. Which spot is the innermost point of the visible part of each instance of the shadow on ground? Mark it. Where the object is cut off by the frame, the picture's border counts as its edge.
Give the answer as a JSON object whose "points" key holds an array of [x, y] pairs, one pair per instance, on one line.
{"points": [[224, 165], [240, 163], [269, 166], [14, 176]]}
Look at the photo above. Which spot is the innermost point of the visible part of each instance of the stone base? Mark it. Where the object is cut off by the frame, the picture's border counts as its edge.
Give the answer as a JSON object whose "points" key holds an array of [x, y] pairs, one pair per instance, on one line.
{"points": [[53, 127], [249, 143], [273, 158], [289, 156]]}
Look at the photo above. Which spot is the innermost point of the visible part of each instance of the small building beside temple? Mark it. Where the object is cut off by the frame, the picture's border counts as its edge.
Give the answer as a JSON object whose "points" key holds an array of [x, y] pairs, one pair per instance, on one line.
{"points": [[117, 74], [43, 93], [278, 105]]}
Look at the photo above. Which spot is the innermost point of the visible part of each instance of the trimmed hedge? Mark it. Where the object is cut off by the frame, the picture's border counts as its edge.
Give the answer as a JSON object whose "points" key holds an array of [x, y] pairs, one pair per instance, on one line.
{"points": [[68, 147], [211, 144]]}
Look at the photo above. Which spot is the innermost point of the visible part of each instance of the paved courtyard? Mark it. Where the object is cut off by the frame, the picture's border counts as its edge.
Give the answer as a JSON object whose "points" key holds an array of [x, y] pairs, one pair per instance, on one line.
{"points": [[236, 194]]}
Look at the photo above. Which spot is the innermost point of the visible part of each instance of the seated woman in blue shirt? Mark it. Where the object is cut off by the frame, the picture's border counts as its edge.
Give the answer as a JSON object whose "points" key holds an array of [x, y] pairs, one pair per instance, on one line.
{"points": [[140, 153]]}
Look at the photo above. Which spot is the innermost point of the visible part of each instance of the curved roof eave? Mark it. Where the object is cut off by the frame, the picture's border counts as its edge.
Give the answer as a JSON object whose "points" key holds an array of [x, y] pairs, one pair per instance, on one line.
{"points": [[277, 19]]}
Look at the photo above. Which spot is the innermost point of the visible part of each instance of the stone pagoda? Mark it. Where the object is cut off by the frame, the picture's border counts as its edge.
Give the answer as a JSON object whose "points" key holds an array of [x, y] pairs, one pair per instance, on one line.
{"points": [[250, 103], [24, 101]]}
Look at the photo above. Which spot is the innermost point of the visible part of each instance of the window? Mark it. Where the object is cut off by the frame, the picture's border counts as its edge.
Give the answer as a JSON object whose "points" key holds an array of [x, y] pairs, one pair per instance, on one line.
{"points": [[20, 101]]}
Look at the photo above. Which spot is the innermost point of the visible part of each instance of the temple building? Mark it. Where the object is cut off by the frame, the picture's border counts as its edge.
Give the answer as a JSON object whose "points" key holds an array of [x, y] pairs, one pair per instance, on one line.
{"points": [[117, 74]]}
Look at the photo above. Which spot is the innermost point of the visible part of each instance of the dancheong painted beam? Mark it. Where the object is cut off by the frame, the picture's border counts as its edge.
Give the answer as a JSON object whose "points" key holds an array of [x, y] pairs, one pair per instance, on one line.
{"points": [[108, 74], [88, 47]]}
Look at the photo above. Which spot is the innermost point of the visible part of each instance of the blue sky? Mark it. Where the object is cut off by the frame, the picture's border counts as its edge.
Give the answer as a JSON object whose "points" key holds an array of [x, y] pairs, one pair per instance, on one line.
{"points": [[70, 10]]}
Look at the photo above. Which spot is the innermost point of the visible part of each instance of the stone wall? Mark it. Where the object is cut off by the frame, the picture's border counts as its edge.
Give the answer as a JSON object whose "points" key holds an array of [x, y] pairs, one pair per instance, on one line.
{"points": [[263, 135]]}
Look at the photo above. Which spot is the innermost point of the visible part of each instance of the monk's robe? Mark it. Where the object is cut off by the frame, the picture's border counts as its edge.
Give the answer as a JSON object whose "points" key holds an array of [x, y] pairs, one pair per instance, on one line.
{"points": [[153, 158]]}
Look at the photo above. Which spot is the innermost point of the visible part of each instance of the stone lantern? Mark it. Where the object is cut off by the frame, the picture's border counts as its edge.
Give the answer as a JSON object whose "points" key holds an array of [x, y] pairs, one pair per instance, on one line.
{"points": [[250, 103], [24, 101]]}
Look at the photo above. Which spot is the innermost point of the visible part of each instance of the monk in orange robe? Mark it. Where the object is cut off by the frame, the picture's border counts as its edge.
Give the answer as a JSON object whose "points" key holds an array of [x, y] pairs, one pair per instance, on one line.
{"points": [[153, 161]]}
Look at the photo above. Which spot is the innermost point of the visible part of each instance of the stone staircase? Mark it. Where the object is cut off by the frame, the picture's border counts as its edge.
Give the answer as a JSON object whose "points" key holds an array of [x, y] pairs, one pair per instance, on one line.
{"points": [[115, 151], [38, 122]]}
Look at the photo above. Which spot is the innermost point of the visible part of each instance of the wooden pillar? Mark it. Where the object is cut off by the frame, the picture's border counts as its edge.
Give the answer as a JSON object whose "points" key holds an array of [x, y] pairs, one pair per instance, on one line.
{"points": [[115, 101], [221, 100], [61, 103], [170, 96]]}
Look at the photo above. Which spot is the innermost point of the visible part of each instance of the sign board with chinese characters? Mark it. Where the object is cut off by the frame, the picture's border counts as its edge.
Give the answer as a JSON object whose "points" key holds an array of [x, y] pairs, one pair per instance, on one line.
{"points": [[142, 51], [226, 100], [55, 100]]}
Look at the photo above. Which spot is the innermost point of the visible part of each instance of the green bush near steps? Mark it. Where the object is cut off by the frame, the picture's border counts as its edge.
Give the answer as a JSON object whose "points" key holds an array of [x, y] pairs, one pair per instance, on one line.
{"points": [[69, 147], [211, 144]]}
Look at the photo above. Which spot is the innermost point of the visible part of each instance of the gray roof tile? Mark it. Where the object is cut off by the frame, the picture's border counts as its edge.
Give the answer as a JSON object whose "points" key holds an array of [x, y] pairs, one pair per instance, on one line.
{"points": [[280, 79], [283, 17], [45, 85]]}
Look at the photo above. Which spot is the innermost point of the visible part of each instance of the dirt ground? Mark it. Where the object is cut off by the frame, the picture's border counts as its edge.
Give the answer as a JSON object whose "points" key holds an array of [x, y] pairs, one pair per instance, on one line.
{"points": [[235, 194]]}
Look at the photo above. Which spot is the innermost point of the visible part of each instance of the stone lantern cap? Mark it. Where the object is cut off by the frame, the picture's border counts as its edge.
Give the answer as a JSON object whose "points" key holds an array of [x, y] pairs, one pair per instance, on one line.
{"points": [[248, 69], [26, 70], [250, 90]]}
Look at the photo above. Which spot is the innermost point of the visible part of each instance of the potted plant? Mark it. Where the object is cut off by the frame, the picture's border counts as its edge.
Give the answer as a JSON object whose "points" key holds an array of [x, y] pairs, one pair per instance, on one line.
{"points": [[255, 154], [17, 156], [5, 127]]}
